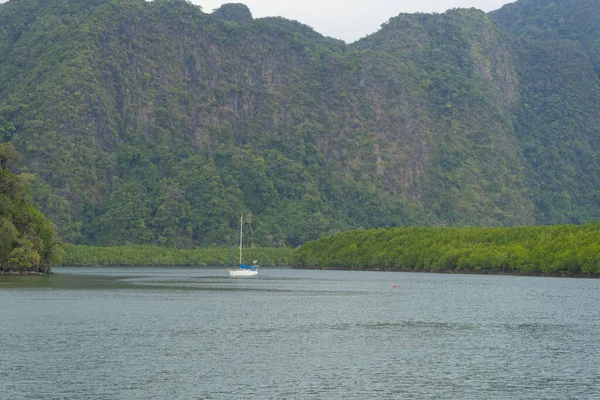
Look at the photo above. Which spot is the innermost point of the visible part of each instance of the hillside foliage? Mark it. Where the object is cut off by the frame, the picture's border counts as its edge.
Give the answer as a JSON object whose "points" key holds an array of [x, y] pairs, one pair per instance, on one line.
{"points": [[144, 255], [156, 123], [557, 55]]}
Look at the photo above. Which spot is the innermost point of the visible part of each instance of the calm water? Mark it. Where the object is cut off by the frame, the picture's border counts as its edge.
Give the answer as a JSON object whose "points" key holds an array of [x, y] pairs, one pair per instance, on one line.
{"points": [[187, 333]]}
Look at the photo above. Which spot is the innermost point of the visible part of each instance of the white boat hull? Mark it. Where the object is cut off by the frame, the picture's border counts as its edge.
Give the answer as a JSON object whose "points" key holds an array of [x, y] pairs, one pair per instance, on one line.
{"points": [[242, 272]]}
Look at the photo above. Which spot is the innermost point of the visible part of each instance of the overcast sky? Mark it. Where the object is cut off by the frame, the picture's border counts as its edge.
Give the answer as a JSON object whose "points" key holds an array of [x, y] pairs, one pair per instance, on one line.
{"points": [[348, 20]]}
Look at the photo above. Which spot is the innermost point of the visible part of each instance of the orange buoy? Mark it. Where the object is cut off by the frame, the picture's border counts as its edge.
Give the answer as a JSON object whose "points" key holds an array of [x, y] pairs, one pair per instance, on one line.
{"points": [[394, 286]]}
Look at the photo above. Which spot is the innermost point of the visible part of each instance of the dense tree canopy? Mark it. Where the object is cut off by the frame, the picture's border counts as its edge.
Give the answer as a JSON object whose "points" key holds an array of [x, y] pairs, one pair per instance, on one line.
{"points": [[564, 250], [234, 12], [27, 242]]}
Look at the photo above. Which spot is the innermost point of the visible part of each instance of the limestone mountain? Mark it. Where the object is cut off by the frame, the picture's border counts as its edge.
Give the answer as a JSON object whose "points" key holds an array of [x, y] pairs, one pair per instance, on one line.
{"points": [[557, 120], [155, 122]]}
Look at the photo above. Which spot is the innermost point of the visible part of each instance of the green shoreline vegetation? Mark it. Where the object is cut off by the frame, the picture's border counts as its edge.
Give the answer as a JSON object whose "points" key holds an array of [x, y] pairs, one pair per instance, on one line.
{"points": [[147, 255], [27, 241], [560, 250]]}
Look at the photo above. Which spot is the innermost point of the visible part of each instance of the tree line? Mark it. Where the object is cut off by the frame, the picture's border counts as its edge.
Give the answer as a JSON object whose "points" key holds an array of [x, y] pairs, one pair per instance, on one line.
{"points": [[560, 250], [146, 255]]}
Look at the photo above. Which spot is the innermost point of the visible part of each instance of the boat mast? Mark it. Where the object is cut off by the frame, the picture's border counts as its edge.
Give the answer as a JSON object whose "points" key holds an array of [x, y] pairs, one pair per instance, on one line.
{"points": [[241, 224]]}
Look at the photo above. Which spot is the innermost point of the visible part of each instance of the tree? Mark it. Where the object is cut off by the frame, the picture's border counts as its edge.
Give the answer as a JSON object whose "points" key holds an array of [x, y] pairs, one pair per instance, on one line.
{"points": [[27, 241]]}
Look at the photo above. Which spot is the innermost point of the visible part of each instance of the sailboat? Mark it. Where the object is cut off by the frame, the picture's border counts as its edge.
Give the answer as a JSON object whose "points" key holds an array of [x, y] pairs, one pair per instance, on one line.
{"points": [[243, 270]]}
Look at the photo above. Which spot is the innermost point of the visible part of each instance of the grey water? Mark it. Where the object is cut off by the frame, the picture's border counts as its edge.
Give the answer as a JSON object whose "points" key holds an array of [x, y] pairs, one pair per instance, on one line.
{"points": [[195, 333]]}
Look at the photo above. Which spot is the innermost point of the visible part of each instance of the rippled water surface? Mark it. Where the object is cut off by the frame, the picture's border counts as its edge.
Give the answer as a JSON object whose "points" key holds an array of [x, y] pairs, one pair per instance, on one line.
{"points": [[195, 333]]}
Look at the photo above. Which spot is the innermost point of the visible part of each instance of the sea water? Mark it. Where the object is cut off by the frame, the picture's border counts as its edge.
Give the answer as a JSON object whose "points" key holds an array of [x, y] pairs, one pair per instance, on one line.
{"points": [[196, 333]]}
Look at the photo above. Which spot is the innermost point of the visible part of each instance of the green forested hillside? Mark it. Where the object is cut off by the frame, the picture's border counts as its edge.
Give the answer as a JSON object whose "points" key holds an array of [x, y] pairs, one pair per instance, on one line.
{"points": [[156, 123], [556, 47], [468, 164]]}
